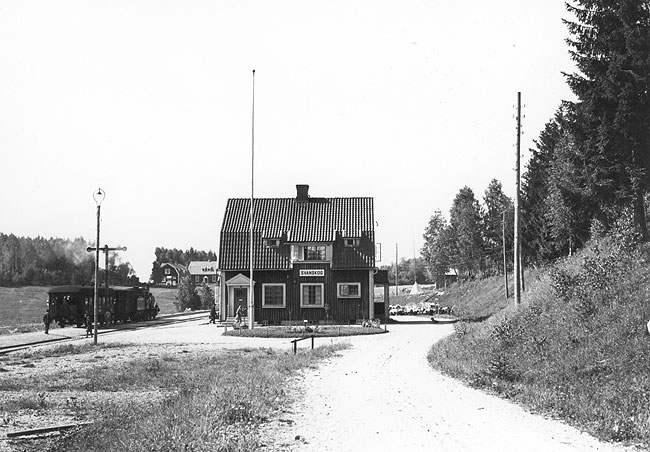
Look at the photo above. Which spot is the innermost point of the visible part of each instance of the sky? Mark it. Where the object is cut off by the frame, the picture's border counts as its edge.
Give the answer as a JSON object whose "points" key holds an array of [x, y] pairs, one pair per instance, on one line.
{"points": [[405, 101]]}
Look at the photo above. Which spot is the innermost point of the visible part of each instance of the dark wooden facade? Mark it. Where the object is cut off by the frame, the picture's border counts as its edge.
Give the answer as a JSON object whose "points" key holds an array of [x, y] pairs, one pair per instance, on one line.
{"points": [[339, 281], [338, 309], [172, 274]]}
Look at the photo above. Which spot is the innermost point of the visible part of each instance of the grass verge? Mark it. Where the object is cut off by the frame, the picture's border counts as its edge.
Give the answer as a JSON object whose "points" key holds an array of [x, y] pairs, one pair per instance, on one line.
{"points": [[577, 347], [177, 400]]}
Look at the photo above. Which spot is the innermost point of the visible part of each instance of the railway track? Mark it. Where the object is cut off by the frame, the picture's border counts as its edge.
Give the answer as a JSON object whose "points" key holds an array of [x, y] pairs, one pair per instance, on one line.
{"points": [[26, 341]]}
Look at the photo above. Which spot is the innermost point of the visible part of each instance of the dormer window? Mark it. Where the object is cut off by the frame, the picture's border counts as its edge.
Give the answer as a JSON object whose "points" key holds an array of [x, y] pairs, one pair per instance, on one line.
{"points": [[309, 253], [351, 242], [272, 243]]}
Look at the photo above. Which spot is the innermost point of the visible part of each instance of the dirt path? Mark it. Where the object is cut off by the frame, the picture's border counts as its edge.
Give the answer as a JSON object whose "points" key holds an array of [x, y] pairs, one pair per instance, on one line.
{"points": [[381, 395]]}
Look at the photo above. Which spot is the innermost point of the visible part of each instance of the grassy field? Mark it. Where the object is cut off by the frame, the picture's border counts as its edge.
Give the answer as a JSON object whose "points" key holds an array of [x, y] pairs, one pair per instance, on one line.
{"points": [[160, 400], [576, 348], [22, 308]]}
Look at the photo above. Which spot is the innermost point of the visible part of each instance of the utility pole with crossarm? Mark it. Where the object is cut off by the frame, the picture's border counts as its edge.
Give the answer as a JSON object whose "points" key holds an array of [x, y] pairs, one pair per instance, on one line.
{"points": [[105, 249]]}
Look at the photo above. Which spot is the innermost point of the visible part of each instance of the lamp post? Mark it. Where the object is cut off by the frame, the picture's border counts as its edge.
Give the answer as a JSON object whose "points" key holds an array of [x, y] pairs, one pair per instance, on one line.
{"points": [[98, 196]]}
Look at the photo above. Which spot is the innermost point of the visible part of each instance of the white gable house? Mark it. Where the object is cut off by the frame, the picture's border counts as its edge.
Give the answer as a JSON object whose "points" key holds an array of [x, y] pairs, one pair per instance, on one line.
{"points": [[203, 272]]}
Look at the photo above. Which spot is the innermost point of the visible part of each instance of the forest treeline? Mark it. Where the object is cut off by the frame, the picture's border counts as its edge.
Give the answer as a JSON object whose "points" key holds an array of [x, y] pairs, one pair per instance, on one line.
{"points": [[590, 165], [28, 261]]}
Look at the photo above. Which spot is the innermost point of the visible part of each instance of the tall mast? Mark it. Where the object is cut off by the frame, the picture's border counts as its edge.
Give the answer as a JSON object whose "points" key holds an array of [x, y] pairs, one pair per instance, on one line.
{"points": [[251, 300]]}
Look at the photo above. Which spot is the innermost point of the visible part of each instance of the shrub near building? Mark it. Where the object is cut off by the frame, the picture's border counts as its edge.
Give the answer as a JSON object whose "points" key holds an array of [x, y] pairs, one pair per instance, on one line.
{"points": [[576, 348], [187, 297]]}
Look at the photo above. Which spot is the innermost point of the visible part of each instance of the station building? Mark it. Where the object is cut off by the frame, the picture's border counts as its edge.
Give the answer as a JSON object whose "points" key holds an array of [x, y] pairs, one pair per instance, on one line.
{"points": [[313, 259]]}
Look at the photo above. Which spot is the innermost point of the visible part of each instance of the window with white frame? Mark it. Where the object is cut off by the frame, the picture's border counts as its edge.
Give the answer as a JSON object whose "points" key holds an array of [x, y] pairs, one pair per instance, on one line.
{"points": [[272, 243], [311, 295], [167, 271], [351, 242], [274, 296], [197, 278], [309, 252], [348, 290]]}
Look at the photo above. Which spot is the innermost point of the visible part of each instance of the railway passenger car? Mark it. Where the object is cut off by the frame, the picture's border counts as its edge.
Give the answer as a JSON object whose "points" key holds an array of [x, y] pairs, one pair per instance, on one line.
{"points": [[71, 304]]}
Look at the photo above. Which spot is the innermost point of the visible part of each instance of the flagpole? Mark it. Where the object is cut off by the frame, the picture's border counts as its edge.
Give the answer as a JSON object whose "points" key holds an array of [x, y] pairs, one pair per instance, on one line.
{"points": [[251, 301]]}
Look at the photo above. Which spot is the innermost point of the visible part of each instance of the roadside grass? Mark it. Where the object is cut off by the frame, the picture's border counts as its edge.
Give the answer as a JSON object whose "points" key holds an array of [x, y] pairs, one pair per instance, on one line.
{"points": [[576, 348], [300, 331], [479, 299], [193, 401], [65, 350]]}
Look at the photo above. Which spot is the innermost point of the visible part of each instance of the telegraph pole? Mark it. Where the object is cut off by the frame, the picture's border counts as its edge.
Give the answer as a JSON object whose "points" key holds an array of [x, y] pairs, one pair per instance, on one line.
{"points": [[517, 245], [98, 197], [505, 261]]}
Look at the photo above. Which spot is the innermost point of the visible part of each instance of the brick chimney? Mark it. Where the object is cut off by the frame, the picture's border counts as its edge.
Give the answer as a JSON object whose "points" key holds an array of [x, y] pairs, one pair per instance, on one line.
{"points": [[302, 193]]}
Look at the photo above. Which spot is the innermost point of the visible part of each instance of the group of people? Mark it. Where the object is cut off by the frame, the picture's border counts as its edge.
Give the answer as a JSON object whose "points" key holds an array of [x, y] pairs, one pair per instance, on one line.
{"points": [[108, 319], [88, 322]]}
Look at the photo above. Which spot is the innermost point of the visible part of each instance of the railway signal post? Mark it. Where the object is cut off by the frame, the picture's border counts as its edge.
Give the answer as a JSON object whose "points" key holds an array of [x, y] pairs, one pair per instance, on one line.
{"points": [[98, 196], [105, 249]]}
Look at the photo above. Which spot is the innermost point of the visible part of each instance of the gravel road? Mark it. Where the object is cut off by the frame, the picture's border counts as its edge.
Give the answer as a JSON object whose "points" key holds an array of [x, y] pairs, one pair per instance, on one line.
{"points": [[381, 395]]}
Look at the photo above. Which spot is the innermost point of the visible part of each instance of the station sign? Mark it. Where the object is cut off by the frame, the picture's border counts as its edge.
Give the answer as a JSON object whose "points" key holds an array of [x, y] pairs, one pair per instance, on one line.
{"points": [[312, 272]]}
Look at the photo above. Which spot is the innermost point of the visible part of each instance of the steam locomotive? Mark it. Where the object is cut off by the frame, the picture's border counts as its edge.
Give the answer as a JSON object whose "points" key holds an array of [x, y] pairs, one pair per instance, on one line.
{"points": [[71, 304]]}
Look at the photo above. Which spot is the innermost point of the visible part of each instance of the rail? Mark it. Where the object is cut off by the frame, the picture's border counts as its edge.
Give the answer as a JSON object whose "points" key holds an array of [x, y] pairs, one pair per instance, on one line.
{"points": [[295, 342], [30, 341]]}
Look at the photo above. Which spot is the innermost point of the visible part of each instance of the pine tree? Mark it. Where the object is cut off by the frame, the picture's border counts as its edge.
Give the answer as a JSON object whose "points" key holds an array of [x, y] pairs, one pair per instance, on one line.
{"points": [[496, 203], [466, 233], [610, 43], [434, 251], [538, 242]]}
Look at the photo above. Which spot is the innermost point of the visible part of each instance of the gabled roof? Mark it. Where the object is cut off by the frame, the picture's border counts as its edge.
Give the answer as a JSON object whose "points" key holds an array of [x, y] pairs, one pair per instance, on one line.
{"points": [[180, 269], [295, 221], [202, 268]]}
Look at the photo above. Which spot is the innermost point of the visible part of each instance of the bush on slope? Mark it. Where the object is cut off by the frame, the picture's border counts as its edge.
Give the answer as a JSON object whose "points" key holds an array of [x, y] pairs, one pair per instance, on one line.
{"points": [[577, 347]]}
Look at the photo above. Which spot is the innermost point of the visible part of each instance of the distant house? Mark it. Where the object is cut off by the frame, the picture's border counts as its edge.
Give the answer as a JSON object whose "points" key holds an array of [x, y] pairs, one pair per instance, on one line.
{"points": [[203, 272], [450, 277], [313, 258], [172, 274]]}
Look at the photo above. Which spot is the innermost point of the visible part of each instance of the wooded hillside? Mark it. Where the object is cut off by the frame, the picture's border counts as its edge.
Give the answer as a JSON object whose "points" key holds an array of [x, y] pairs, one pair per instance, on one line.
{"points": [[26, 261]]}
